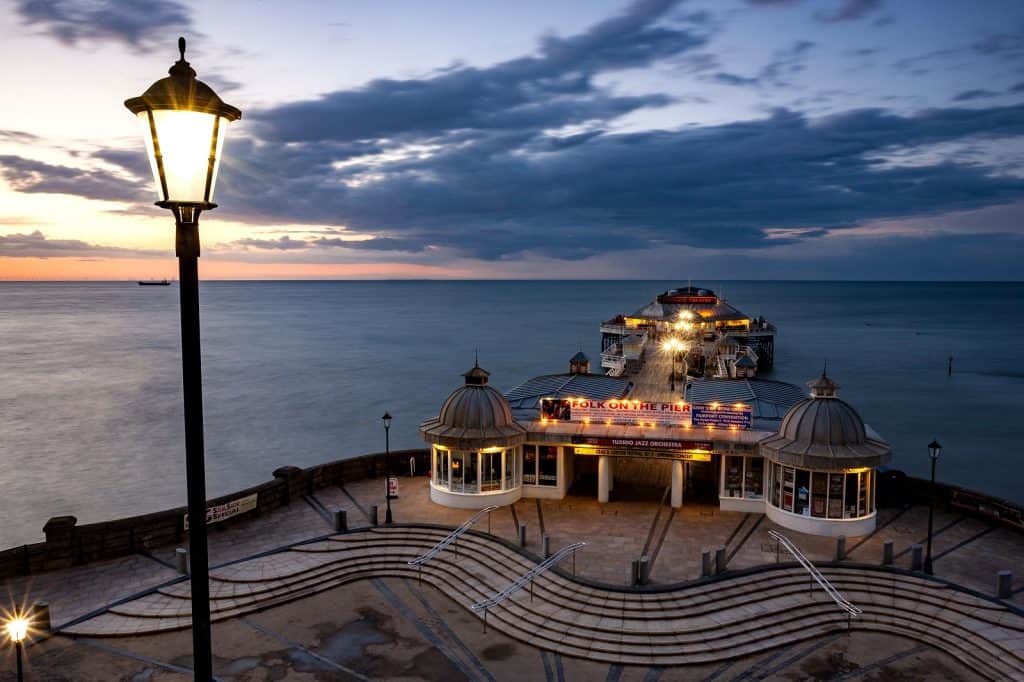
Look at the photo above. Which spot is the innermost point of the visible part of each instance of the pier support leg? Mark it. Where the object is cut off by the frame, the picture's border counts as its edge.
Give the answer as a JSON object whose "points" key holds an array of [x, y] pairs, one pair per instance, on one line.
{"points": [[887, 553], [916, 556], [603, 476], [677, 484]]}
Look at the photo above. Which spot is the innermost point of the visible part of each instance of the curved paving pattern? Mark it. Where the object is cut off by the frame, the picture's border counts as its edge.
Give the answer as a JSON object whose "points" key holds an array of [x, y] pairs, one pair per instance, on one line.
{"points": [[701, 622]]}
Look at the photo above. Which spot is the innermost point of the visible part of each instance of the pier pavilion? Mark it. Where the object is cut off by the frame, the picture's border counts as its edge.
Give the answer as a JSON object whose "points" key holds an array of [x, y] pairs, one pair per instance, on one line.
{"points": [[750, 445]]}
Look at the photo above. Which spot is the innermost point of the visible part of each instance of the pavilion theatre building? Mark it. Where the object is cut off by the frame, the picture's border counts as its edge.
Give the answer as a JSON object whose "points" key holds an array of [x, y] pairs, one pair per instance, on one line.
{"points": [[751, 445]]}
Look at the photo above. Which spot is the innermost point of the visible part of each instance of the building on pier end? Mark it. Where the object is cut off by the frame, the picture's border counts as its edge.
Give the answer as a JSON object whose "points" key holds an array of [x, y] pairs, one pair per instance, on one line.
{"points": [[746, 444]]}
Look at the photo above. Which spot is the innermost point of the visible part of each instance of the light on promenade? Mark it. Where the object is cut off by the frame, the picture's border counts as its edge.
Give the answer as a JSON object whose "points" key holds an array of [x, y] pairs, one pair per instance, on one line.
{"points": [[934, 450], [387, 467], [184, 123], [17, 630]]}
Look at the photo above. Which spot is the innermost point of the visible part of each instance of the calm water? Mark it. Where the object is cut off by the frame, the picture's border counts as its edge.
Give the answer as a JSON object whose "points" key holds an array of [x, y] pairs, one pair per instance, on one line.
{"points": [[300, 372]]}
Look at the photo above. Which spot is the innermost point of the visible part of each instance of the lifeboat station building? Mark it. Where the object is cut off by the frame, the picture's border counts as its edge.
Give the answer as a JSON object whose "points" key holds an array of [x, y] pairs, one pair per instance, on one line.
{"points": [[806, 459]]}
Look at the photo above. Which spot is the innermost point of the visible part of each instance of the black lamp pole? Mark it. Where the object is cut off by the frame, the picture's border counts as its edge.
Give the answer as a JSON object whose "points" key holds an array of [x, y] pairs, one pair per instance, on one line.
{"points": [[387, 467], [195, 465], [21, 673], [933, 450]]}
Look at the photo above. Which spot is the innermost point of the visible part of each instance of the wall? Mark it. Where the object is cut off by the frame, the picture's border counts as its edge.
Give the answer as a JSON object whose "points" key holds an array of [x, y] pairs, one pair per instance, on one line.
{"points": [[68, 544]]}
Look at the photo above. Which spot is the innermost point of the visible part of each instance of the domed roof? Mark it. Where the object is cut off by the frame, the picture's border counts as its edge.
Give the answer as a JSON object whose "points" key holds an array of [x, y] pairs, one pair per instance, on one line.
{"points": [[474, 416], [823, 432]]}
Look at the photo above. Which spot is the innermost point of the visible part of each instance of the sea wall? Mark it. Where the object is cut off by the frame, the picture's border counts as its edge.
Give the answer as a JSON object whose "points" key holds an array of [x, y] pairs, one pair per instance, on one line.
{"points": [[69, 544]]}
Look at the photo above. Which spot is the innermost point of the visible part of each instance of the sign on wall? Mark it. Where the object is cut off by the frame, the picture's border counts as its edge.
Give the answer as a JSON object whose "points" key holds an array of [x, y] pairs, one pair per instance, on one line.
{"points": [[722, 416], [615, 411], [692, 450], [220, 512]]}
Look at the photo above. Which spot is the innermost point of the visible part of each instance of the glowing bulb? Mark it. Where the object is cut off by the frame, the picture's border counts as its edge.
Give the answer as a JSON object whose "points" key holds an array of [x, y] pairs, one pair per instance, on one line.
{"points": [[17, 629]]}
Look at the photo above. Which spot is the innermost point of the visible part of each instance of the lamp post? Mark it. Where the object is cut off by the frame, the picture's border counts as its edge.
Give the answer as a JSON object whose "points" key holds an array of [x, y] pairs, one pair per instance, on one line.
{"points": [[934, 449], [387, 467], [17, 630], [184, 123]]}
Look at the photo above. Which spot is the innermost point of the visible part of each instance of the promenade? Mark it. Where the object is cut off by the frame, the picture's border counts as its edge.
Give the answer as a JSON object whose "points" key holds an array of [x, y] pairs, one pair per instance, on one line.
{"points": [[341, 607]]}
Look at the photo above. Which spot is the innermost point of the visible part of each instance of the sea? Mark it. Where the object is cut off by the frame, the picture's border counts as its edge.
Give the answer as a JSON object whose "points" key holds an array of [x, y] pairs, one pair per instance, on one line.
{"points": [[300, 372]]}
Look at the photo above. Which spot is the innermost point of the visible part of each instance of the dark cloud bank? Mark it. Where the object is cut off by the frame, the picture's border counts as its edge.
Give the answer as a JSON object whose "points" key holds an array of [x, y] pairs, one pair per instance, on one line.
{"points": [[465, 159]]}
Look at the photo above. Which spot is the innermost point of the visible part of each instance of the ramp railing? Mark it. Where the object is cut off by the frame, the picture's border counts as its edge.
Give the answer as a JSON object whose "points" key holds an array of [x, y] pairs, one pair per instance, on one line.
{"points": [[451, 538], [829, 589], [527, 578]]}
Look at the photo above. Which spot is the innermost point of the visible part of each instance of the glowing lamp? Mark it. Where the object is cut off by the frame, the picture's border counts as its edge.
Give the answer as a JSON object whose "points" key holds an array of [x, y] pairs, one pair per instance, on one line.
{"points": [[184, 125], [934, 449], [17, 629]]}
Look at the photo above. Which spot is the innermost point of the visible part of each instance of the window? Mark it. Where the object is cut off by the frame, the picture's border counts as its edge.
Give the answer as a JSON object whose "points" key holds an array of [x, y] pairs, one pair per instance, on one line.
{"points": [[441, 467], [775, 483], [835, 496], [548, 465], [511, 480], [733, 476], [788, 475], [458, 468], [470, 474], [753, 480], [803, 493], [490, 471], [529, 465], [851, 496], [819, 494]]}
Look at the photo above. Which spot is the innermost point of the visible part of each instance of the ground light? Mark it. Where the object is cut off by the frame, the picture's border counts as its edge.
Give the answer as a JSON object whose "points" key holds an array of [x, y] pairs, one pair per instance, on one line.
{"points": [[934, 450], [185, 123], [387, 467], [17, 630]]}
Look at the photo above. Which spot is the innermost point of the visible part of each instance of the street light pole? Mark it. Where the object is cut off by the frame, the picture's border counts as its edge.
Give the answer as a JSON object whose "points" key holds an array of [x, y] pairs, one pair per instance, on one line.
{"points": [[17, 630], [184, 123], [387, 467], [933, 450]]}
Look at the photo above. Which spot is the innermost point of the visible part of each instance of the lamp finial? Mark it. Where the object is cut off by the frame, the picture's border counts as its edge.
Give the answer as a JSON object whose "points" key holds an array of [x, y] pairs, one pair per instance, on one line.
{"points": [[181, 47]]}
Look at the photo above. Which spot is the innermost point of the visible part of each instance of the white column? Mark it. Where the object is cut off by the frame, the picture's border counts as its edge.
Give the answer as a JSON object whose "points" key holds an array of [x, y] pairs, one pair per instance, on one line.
{"points": [[677, 483], [611, 474], [603, 476]]}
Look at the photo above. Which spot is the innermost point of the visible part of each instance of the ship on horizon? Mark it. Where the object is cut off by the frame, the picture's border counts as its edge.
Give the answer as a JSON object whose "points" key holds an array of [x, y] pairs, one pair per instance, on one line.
{"points": [[154, 282]]}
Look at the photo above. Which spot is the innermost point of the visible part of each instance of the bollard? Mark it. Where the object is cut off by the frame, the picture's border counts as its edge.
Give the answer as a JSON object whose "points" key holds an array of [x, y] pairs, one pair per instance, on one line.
{"points": [[916, 560], [41, 616], [1004, 584], [720, 560], [705, 563], [522, 535], [840, 548], [374, 516], [887, 553], [546, 544], [340, 520], [181, 560], [644, 569], [634, 572]]}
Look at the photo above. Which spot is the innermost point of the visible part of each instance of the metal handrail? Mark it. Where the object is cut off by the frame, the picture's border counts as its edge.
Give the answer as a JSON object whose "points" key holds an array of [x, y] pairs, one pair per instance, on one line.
{"points": [[528, 577], [830, 590], [451, 537]]}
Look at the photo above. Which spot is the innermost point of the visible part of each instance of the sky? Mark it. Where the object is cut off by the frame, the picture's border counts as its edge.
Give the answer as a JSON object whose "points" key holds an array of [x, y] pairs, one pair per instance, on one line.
{"points": [[724, 139]]}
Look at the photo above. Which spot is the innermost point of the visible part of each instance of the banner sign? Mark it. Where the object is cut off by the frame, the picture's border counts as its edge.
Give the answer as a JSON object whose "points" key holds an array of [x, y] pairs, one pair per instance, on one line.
{"points": [[722, 416], [615, 411], [228, 509], [645, 443], [626, 452]]}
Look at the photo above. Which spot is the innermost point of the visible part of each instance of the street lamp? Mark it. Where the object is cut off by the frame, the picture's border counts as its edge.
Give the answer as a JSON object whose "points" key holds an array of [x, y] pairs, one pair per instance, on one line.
{"points": [[934, 450], [17, 630], [184, 122], [387, 467]]}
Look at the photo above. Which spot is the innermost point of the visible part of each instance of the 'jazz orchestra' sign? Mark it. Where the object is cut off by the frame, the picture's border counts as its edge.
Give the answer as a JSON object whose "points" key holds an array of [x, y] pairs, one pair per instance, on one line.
{"points": [[615, 411], [694, 450]]}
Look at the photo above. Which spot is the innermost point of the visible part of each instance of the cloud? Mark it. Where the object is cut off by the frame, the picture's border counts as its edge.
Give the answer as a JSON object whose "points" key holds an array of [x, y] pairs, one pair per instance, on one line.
{"points": [[785, 63], [849, 10], [36, 245], [18, 136], [1019, 87], [968, 95], [549, 90], [136, 23], [29, 175]]}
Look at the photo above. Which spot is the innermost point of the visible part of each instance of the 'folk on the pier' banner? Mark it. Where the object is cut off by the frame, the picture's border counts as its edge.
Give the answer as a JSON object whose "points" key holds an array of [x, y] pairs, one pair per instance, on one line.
{"points": [[636, 412]]}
